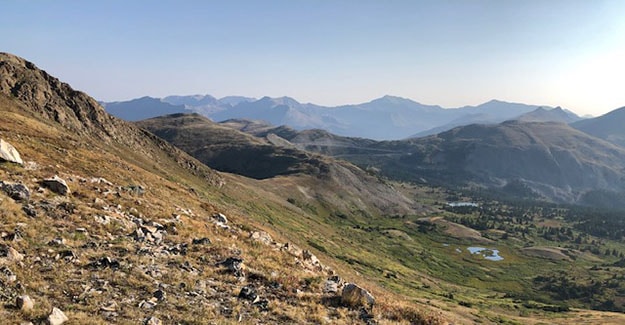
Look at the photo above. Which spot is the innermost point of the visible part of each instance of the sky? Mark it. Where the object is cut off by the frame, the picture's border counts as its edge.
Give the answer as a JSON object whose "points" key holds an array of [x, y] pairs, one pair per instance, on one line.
{"points": [[451, 53]]}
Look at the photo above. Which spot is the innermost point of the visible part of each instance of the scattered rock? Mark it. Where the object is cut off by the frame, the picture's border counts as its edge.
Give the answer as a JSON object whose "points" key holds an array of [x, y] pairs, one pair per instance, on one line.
{"points": [[234, 265], [248, 293], [134, 189], [262, 237], [148, 304], [24, 303], [59, 241], [16, 191], [10, 276], [355, 296], [57, 317], [100, 180], [262, 304], [152, 321], [30, 211], [159, 295], [9, 153], [109, 311], [13, 255], [111, 306], [220, 218], [200, 241], [332, 284], [67, 255], [56, 185], [104, 262], [103, 220]]}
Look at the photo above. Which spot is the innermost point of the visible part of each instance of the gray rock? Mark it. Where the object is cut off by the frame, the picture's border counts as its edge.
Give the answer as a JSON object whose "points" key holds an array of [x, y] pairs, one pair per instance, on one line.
{"points": [[18, 192], [201, 241], [9, 153], [56, 185], [331, 287], [234, 265], [30, 211], [355, 296], [220, 218], [262, 237], [24, 303], [248, 293], [159, 295], [152, 321], [57, 317]]}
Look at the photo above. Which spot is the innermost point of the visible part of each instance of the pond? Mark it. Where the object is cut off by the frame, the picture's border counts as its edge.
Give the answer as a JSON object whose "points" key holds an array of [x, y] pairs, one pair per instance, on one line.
{"points": [[488, 253]]}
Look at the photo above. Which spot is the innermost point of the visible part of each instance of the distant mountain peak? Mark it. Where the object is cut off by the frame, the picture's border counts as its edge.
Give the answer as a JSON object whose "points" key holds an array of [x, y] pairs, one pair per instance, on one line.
{"points": [[393, 100]]}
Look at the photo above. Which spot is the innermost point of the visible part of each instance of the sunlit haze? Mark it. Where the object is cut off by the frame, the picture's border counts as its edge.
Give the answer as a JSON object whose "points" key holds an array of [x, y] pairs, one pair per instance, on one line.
{"points": [[450, 53]]}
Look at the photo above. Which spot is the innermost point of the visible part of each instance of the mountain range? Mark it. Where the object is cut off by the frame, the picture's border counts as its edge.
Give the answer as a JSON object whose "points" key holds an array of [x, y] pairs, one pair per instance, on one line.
{"points": [[550, 160], [386, 118]]}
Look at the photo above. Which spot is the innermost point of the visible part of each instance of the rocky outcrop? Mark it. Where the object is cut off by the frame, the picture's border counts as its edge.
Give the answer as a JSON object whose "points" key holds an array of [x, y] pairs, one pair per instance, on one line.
{"points": [[56, 185], [18, 192], [9, 153], [56, 101], [355, 296]]}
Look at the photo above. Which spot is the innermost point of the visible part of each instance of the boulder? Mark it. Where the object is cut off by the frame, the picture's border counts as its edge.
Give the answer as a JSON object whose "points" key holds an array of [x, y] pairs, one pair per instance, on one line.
{"points": [[18, 192], [332, 284], [220, 218], [9, 153], [152, 321], [355, 296], [13, 255], [24, 303], [234, 265], [56, 185], [57, 317], [248, 293], [201, 241], [262, 237]]}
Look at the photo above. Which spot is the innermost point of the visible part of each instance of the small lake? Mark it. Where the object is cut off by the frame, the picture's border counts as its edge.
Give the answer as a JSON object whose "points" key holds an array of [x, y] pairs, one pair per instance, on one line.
{"points": [[488, 253]]}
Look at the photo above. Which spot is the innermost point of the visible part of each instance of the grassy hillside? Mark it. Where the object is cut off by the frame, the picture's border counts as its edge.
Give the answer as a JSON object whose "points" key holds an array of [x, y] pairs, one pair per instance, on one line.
{"points": [[137, 236]]}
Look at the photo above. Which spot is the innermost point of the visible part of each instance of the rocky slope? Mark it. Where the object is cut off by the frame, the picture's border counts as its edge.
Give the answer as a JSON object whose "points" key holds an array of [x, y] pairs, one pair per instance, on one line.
{"points": [[106, 223]]}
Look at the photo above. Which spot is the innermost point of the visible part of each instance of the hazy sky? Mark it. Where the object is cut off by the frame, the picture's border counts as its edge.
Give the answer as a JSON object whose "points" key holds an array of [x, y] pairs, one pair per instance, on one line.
{"points": [[452, 53]]}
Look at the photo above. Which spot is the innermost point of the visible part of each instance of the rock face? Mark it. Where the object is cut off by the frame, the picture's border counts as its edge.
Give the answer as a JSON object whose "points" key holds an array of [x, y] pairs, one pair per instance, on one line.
{"points": [[18, 192], [56, 185], [9, 153], [57, 317], [355, 296]]}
